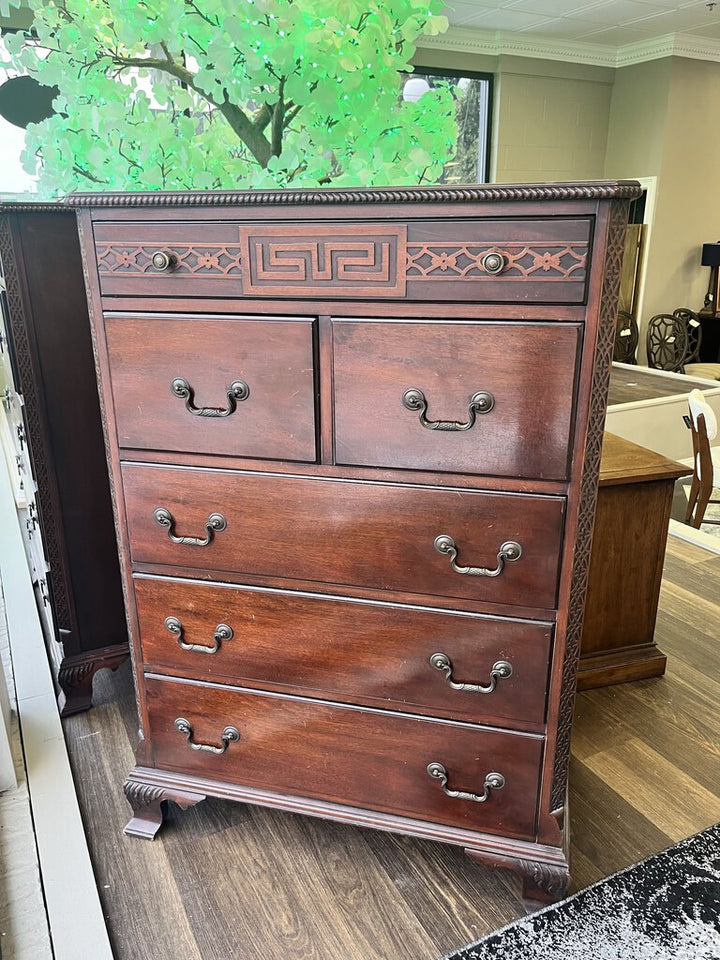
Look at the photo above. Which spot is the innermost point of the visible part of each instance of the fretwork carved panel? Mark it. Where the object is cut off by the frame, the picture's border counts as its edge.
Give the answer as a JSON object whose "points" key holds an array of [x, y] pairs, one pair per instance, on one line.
{"points": [[556, 261], [361, 260], [190, 259]]}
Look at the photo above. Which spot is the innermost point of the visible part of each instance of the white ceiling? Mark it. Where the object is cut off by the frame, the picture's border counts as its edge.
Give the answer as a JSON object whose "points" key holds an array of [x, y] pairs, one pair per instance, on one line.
{"points": [[610, 32]]}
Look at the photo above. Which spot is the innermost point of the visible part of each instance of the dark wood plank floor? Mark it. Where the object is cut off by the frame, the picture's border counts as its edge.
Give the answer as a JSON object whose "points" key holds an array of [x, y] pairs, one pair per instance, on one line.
{"points": [[225, 881]]}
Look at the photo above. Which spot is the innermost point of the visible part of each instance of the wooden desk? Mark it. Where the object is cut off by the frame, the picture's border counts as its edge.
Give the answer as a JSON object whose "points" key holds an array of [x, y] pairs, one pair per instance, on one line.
{"points": [[631, 524]]}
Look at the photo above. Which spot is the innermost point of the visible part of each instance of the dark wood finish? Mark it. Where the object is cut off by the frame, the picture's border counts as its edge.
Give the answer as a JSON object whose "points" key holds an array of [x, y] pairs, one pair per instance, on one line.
{"points": [[233, 879], [542, 882], [378, 536], [149, 804], [703, 475], [54, 370], [631, 524], [286, 742], [376, 653], [75, 676], [391, 255], [425, 260], [525, 434], [274, 357]]}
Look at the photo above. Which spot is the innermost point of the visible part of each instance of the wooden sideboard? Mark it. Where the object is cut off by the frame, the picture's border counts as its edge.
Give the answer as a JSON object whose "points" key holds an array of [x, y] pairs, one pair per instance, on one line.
{"points": [[50, 351], [631, 526]]}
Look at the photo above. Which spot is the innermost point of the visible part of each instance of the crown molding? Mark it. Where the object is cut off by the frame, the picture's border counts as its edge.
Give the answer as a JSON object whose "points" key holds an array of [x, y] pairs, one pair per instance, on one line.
{"points": [[671, 45], [497, 43]]}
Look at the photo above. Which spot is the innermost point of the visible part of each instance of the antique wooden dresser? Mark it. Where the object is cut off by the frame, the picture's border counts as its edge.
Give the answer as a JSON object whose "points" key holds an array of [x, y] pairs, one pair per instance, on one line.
{"points": [[354, 441], [57, 414]]}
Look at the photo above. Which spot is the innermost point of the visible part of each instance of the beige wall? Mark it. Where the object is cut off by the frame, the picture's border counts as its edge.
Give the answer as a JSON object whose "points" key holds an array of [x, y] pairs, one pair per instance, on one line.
{"points": [[551, 121], [687, 211], [560, 121], [638, 120]]}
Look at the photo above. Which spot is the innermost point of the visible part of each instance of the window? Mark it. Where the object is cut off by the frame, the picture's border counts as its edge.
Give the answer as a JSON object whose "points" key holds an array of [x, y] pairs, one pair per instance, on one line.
{"points": [[473, 95]]}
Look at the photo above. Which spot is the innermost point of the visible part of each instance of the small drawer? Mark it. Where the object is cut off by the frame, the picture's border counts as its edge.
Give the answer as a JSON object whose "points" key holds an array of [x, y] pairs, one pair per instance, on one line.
{"points": [[386, 655], [373, 535], [237, 386], [491, 398], [166, 258], [480, 260], [365, 758]]}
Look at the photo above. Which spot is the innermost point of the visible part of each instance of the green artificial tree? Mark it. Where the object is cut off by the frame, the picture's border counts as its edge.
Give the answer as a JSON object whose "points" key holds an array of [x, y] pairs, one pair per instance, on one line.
{"points": [[178, 94]]}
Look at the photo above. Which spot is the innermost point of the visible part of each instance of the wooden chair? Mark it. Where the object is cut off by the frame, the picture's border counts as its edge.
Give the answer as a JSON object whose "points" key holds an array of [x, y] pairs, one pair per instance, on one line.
{"points": [[694, 331], [667, 342], [626, 338], [703, 425], [692, 365]]}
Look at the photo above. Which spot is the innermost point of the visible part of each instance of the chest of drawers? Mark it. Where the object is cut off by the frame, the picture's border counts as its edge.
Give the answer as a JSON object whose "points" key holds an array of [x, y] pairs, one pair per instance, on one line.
{"points": [[354, 440]]}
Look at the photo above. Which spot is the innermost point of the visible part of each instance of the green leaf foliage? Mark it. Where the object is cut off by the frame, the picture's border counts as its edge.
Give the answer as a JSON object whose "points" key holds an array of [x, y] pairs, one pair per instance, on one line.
{"points": [[177, 94]]}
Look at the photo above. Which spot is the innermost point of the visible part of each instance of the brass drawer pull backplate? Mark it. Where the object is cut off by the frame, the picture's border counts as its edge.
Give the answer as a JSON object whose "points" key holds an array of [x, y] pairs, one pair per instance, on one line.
{"points": [[222, 632], [163, 261], [215, 523], [509, 552], [480, 402], [236, 392], [493, 781], [229, 735], [501, 670]]}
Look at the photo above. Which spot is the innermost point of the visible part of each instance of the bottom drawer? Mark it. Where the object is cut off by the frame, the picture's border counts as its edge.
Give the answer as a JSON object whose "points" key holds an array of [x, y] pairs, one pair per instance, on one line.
{"points": [[349, 755]]}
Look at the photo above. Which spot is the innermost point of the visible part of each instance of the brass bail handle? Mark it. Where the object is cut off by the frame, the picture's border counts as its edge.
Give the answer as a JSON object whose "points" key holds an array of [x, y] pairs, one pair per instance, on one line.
{"points": [[222, 632], [501, 670], [480, 402], [493, 781], [229, 735], [215, 523], [509, 552], [235, 393]]}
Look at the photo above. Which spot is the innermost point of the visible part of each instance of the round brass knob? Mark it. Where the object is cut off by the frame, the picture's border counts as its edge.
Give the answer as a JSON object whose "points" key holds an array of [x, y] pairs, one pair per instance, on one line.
{"points": [[493, 263], [162, 260]]}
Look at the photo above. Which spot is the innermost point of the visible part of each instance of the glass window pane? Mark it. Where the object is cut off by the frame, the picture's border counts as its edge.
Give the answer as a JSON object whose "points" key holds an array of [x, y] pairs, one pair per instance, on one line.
{"points": [[472, 97]]}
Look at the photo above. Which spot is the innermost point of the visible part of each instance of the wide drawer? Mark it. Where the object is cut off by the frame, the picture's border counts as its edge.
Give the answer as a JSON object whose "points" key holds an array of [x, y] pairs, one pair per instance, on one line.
{"points": [[365, 758], [468, 397], [387, 655], [380, 536], [234, 386], [539, 259]]}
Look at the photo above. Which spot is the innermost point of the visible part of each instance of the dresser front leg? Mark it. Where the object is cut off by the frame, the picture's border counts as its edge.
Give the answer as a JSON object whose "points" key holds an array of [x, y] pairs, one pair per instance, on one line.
{"points": [[542, 883], [148, 804]]}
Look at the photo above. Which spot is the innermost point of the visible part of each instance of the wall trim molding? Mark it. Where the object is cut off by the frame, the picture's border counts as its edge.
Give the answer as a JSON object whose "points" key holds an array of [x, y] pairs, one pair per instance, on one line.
{"points": [[499, 43]]}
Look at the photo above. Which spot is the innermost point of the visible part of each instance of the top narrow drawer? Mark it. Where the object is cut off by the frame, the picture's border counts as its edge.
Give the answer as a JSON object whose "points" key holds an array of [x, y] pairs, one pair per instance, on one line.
{"points": [[501, 260]]}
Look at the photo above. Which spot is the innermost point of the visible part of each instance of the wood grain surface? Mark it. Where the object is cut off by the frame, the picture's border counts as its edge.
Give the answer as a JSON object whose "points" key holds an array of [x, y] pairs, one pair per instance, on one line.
{"points": [[285, 744], [225, 881], [529, 369], [351, 651], [273, 357], [379, 536]]}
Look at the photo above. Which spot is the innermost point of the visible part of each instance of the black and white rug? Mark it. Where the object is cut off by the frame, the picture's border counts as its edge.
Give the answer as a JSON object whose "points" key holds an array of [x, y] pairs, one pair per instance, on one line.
{"points": [[665, 908]]}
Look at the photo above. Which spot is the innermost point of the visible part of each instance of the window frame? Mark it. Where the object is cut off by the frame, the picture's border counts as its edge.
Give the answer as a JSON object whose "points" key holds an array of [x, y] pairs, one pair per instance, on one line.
{"points": [[423, 71]]}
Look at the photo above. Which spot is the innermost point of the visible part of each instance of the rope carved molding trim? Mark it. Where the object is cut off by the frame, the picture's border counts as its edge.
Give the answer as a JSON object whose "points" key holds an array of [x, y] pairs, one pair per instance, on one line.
{"points": [[604, 190]]}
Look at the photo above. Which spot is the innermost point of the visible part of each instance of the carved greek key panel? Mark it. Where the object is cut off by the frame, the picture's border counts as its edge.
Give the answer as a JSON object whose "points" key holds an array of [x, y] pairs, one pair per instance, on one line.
{"points": [[359, 260], [188, 259], [551, 260]]}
